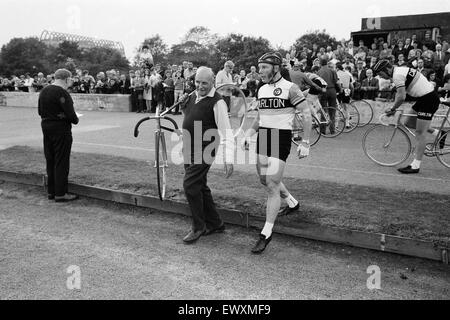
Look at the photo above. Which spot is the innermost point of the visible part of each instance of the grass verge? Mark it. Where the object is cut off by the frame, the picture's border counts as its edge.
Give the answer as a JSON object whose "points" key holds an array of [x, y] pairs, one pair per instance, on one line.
{"points": [[409, 214]]}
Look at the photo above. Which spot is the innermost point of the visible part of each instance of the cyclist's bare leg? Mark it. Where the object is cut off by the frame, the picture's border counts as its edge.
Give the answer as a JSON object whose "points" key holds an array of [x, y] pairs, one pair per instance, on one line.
{"points": [[286, 196], [270, 171], [422, 128], [411, 122]]}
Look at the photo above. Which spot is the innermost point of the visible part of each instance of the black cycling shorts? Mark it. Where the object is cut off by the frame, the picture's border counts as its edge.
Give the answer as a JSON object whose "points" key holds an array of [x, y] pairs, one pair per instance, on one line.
{"points": [[342, 98], [427, 105], [275, 143]]}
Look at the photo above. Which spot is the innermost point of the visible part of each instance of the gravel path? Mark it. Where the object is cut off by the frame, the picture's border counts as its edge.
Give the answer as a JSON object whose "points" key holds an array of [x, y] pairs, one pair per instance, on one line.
{"points": [[132, 253]]}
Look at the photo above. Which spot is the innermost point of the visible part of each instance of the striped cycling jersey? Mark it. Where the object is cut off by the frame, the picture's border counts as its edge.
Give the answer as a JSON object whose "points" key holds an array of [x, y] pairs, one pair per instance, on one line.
{"points": [[277, 103], [415, 83]]}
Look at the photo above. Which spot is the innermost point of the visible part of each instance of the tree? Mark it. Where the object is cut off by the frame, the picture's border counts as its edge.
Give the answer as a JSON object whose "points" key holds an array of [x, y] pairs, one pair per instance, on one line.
{"points": [[198, 45], [158, 48], [20, 56], [68, 50], [244, 51], [101, 59], [319, 37]]}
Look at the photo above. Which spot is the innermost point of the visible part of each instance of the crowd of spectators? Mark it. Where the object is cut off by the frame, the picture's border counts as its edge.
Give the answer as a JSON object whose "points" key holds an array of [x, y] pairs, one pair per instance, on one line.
{"points": [[152, 85], [430, 57]]}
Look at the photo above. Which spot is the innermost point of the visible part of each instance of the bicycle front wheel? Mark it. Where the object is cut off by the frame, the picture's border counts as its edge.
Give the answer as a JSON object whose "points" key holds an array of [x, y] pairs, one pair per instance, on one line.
{"points": [[329, 127], [160, 164], [365, 110], [386, 145], [351, 117], [298, 131], [443, 149]]}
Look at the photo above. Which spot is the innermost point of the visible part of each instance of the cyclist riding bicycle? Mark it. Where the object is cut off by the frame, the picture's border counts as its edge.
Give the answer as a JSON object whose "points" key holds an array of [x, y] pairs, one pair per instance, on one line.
{"points": [[412, 82], [278, 99]]}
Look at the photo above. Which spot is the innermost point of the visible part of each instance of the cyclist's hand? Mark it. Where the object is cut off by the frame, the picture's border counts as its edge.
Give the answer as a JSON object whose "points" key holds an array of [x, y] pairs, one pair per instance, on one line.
{"points": [[389, 112], [303, 150], [228, 170]]}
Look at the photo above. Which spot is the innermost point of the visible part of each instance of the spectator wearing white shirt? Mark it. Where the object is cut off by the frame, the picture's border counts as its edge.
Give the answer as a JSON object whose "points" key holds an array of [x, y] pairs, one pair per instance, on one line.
{"points": [[28, 83], [351, 50], [225, 76]]}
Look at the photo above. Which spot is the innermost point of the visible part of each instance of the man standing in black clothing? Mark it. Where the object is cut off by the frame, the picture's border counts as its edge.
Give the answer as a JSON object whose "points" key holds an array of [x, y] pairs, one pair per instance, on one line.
{"points": [[57, 113]]}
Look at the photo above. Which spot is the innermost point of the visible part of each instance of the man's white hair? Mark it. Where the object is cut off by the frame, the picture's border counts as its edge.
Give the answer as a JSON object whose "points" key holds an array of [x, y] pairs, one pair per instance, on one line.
{"points": [[206, 70]]}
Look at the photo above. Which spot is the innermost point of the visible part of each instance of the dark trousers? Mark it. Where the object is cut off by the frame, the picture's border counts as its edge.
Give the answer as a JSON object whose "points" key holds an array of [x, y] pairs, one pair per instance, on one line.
{"points": [[140, 100], [169, 97], [57, 147], [133, 101], [199, 197], [328, 99]]}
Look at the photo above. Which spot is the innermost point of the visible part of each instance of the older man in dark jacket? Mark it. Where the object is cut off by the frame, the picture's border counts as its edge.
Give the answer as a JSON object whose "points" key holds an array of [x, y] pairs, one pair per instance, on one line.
{"points": [[57, 114], [328, 99]]}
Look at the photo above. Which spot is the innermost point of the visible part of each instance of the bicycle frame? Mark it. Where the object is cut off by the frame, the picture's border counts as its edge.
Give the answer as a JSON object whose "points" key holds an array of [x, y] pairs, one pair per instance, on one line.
{"points": [[398, 123]]}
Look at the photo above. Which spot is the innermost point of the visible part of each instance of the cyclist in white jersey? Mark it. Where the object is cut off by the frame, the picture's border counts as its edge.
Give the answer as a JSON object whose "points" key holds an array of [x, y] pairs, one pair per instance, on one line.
{"points": [[412, 82], [278, 99]]}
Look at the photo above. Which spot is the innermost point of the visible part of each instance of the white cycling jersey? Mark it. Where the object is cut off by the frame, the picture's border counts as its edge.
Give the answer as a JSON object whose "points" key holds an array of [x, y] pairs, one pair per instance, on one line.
{"points": [[277, 102], [415, 83]]}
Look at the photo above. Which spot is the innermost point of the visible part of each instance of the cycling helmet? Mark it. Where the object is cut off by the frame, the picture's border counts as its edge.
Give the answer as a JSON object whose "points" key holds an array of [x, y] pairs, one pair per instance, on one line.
{"points": [[273, 58], [381, 66]]}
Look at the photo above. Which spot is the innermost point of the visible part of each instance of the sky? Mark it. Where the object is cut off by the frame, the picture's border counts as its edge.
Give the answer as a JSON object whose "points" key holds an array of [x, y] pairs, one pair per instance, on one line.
{"points": [[131, 21]]}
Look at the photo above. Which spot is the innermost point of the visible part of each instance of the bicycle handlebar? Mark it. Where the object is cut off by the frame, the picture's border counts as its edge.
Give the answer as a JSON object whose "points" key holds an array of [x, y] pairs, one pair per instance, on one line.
{"points": [[136, 128]]}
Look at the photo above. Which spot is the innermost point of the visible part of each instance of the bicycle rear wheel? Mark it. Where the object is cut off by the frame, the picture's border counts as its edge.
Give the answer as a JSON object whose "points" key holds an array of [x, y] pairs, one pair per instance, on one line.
{"points": [[443, 149], [386, 145], [161, 164], [329, 129], [298, 131], [365, 110], [351, 115]]}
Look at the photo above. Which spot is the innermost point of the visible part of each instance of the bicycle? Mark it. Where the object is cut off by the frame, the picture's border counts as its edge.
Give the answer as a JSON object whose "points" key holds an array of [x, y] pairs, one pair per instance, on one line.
{"points": [[161, 159], [325, 122], [365, 111], [389, 144], [351, 114], [297, 132]]}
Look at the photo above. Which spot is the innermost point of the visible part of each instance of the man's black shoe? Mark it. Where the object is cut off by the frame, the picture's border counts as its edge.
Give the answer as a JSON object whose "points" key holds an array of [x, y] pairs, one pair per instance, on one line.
{"points": [[261, 245], [286, 210], [408, 169], [220, 229], [51, 197], [67, 197], [193, 236]]}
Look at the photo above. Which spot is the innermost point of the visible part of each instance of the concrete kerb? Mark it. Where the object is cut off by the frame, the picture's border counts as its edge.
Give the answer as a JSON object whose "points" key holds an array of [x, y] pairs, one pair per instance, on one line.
{"points": [[367, 240]]}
